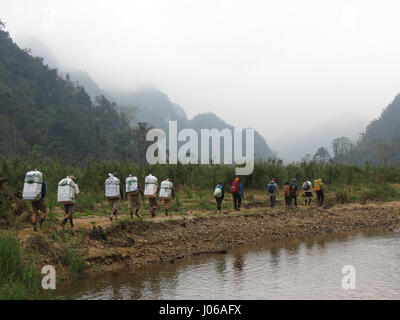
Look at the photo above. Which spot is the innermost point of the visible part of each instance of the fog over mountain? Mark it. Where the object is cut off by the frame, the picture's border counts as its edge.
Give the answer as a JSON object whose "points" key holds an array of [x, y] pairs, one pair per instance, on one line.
{"points": [[150, 104], [155, 107], [269, 65], [292, 147]]}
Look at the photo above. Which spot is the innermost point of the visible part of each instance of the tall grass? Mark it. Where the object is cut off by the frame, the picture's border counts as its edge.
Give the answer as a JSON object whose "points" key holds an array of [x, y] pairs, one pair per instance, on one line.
{"points": [[191, 178], [379, 192], [75, 263], [18, 279]]}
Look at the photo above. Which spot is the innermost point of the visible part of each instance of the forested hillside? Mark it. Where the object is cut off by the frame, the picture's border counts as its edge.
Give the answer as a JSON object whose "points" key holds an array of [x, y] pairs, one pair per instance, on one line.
{"points": [[379, 144], [41, 111]]}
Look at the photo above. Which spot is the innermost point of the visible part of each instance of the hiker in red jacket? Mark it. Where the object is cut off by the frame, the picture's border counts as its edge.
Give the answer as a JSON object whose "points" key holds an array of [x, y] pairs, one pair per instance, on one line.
{"points": [[237, 192]]}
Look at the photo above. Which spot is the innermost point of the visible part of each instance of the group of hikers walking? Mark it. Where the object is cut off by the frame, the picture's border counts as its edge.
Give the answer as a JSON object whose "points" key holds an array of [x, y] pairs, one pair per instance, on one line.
{"points": [[35, 189], [290, 193], [237, 194], [133, 189]]}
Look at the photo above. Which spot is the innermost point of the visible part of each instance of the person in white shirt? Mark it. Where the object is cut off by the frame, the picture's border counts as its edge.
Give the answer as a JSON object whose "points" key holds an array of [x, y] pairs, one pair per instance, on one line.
{"points": [[307, 187]]}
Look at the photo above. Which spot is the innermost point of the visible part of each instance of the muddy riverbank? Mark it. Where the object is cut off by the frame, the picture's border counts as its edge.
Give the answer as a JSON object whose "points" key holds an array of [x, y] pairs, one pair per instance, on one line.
{"points": [[106, 246], [306, 267]]}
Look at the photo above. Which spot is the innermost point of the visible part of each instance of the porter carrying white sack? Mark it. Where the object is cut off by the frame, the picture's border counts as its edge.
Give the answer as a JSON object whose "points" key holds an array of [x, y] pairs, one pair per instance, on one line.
{"points": [[131, 185], [67, 189], [112, 187], [32, 185], [166, 189], [150, 187]]}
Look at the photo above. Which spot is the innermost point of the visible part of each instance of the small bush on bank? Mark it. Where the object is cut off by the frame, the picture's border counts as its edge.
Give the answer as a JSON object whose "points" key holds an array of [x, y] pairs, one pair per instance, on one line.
{"points": [[76, 264], [343, 195], [379, 192]]}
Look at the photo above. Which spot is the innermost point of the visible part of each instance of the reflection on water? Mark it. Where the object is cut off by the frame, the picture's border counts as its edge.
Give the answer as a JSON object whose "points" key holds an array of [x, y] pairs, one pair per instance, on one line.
{"points": [[299, 268]]}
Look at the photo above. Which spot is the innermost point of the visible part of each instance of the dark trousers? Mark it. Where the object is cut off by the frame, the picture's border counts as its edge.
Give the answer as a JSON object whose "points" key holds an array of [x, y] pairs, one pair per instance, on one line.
{"points": [[219, 202], [69, 210], [287, 201], [237, 201], [320, 196], [293, 197], [272, 200]]}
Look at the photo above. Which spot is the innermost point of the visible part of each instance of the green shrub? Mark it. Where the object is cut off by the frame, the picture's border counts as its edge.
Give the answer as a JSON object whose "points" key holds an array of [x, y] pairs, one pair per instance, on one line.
{"points": [[379, 192], [176, 204], [75, 263], [343, 195]]}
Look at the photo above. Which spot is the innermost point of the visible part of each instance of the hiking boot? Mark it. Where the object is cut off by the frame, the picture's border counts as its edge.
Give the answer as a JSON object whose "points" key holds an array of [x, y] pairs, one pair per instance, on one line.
{"points": [[137, 214]]}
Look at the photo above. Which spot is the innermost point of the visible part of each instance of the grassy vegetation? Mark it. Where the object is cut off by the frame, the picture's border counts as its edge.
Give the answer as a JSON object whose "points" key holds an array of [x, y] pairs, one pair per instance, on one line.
{"points": [[18, 277], [75, 262], [350, 183]]}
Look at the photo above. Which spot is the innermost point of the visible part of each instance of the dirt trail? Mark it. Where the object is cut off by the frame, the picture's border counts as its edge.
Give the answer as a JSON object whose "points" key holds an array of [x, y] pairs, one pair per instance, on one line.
{"points": [[88, 222]]}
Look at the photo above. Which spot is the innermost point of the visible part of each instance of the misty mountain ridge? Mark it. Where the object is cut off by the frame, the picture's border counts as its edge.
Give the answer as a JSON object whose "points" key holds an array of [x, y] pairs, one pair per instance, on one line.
{"points": [[155, 107], [151, 105], [293, 147], [380, 144], [379, 141]]}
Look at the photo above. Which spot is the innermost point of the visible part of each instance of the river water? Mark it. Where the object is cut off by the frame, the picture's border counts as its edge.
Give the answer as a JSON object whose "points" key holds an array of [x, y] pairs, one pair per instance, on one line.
{"points": [[297, 268]]}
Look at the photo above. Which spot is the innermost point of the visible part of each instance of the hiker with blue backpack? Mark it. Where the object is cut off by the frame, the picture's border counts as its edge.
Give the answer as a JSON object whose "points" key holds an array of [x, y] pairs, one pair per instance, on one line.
{"points": [[272, 192], [219, 194]]}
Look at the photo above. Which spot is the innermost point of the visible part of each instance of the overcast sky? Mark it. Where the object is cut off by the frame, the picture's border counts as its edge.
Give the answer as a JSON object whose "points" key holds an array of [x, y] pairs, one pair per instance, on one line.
{"points": [[268, 65]]}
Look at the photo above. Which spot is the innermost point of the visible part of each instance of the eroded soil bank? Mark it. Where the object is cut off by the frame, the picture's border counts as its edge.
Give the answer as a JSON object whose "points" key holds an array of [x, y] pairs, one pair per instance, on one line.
{"points": [[106, 246]]}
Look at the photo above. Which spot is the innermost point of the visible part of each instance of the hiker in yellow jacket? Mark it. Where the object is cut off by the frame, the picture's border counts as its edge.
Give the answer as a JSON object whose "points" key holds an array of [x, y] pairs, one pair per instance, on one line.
{"points": [[319, 190]]}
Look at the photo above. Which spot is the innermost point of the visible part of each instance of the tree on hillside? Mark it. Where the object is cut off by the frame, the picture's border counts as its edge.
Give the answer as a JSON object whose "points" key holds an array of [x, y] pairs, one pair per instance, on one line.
{"points": [[382, 149], [322, 155], [139, 141], [306, 158], [341, 146], [379, 144], [128, 113]]}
